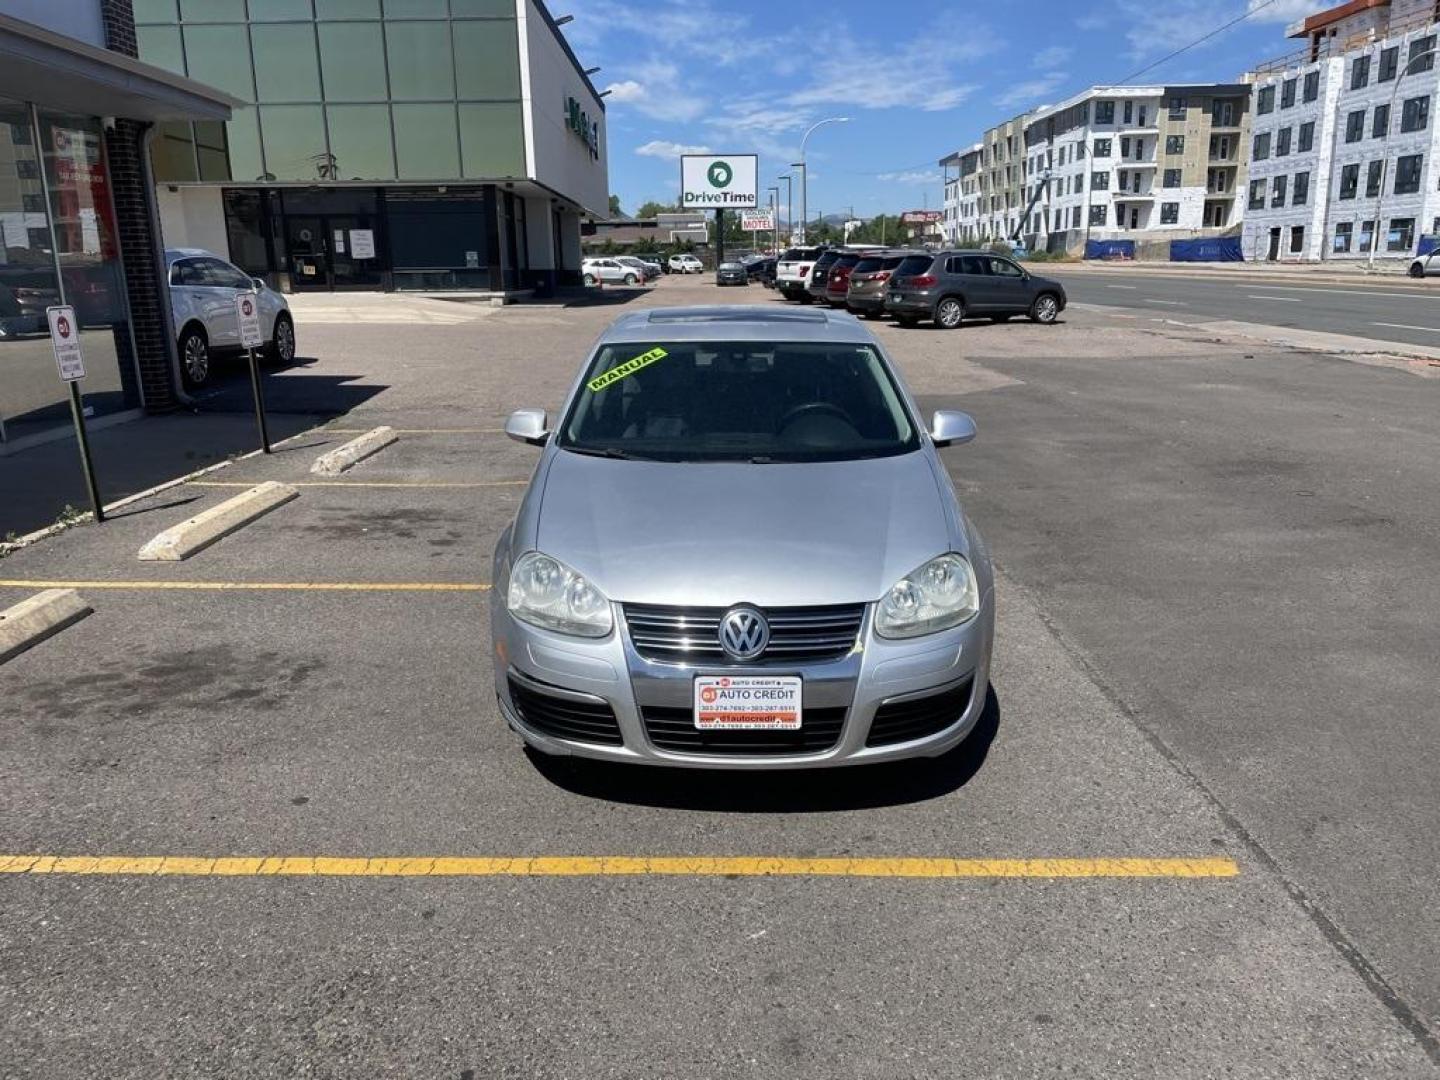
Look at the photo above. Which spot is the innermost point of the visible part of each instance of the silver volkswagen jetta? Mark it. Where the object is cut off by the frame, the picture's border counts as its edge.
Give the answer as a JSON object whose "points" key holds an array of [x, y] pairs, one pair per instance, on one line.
{"points": [[740, 550]]}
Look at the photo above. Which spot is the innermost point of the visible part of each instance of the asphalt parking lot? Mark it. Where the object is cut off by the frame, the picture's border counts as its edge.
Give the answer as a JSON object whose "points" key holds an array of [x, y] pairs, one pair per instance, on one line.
{"points": [[1180, 844]]}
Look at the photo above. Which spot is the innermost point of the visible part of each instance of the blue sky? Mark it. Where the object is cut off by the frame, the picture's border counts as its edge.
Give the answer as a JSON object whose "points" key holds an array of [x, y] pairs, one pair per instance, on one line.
{"points": [[917, 79]]}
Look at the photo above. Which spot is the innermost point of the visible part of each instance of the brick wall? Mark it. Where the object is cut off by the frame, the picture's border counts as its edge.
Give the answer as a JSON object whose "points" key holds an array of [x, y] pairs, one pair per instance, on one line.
{"points": [[124, 147]]}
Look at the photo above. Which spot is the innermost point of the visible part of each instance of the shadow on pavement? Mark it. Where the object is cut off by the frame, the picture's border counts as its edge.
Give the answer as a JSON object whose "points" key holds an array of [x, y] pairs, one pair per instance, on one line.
{"points": [[791, 791]]}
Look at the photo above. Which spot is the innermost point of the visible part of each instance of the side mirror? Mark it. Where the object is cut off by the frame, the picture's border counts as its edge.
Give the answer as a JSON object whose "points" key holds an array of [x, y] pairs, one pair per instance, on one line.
{"points": [[529, 426], [950, 428], [259, 283]]}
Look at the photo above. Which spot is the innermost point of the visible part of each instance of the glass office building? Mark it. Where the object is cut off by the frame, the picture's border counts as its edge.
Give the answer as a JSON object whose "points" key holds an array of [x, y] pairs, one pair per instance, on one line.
{"points": [[385, 144]]}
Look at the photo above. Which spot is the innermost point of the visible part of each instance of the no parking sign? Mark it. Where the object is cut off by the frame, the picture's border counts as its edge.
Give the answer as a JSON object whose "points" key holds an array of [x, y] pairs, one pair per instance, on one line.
{"points": [[247, 312]]}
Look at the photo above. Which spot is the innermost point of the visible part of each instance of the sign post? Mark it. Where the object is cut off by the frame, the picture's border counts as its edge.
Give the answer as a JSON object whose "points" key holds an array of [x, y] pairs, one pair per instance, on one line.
{"points": [[65, 340], [248, 315]]}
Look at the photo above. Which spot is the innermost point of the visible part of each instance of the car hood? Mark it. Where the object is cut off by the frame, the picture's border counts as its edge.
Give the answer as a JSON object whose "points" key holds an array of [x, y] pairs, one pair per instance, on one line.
{"points": [[715, 534]]}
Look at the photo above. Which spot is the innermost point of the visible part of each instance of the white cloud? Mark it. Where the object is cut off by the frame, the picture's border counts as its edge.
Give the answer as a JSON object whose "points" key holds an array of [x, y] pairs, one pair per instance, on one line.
{"points": [[1284, 11], [662, 96], [1054, 56], [628, 90], [663, 148], [834, 80], [914, 176], [1028, 94]]}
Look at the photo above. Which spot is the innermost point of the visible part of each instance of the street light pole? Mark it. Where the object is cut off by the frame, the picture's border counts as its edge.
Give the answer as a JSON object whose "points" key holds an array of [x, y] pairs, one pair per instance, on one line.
{"points": [[789, 209], [1385, 153], [774, 191], [804, 172]]}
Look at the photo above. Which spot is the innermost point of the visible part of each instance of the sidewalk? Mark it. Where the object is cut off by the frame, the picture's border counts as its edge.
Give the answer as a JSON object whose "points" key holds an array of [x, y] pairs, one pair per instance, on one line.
{"points": [[1357, 273]]}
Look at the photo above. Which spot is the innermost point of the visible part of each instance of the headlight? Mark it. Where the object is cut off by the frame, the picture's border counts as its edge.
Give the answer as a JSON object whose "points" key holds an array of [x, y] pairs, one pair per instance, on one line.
{"points": [[546, 592], [937, 596]]}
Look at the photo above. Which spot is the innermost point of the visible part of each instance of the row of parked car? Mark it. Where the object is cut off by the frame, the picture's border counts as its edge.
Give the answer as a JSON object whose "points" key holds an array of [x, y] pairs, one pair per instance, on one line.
{"points": [[634, 270], [944, 287]]}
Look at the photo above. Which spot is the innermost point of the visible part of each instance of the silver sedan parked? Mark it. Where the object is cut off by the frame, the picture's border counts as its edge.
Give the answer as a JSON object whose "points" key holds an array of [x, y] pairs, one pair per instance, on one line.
{"points": [[740, 550], [203, 288]]}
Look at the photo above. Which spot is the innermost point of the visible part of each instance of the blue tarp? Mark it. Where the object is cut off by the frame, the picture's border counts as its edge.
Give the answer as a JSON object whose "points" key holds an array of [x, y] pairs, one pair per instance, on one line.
{"points": [[1211, 249], [1427, 245], [1109, 249]]}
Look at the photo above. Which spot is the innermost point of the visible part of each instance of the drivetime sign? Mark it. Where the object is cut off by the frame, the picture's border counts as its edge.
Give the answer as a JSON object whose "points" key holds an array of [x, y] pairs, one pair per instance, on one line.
{"points": [[719, 181]]}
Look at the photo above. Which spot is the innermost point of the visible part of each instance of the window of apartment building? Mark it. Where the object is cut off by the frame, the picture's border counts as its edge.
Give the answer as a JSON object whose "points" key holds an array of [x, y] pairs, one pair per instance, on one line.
{"points": [[1421, 56], [1372, 178], [32, 203], [1349, 181], [1297, 239], [1100, 181], [1287, 94], [1172, 178], [1104, 112], [1075, 217], [1174, 144], [1129, 111], [1079, 150], [1217, 181], [1282, 142], [1222, 113], [1344, 230], [1059, 218], [1125, 147], [1306, 142], [1142, 116], [1401, 235], [1123, 180], [1102, 148], [1360, 72], [1367, 235], [1407, 174], [1177, 108], [1415, 114], [1260, 149], [1389, 63], [27, 170], [1380, 122], [1257, 195], [1169, 213], [1265, 101], [1300, 190], [1277, 191], [1060, 158], [1355, 125], [1097, 215], [1219, 147], [1310, 87]]}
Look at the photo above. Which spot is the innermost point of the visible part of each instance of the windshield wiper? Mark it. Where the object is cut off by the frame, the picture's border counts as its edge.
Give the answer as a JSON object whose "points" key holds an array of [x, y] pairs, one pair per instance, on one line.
{"points": [[606, 452]]}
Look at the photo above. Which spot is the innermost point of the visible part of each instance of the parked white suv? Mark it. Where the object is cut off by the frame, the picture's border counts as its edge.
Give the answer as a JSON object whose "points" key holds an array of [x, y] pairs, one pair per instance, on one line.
{"points": [[686, 264], [648, 270], [611, 271], [794, 270], [203, 288]]}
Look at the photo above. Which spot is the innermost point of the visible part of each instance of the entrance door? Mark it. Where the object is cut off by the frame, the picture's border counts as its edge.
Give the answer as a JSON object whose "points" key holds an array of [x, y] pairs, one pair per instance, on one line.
{"points": [[1274, 244], [322, 251]]}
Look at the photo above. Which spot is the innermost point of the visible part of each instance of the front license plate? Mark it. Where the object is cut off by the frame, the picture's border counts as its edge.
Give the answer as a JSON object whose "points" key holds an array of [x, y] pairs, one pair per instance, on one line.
{"points": [[747, 702]]}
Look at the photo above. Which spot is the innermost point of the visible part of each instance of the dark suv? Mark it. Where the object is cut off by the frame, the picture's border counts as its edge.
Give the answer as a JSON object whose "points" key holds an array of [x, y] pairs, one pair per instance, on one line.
{"points": [[839, 282], [954, 285], [820, 276]]}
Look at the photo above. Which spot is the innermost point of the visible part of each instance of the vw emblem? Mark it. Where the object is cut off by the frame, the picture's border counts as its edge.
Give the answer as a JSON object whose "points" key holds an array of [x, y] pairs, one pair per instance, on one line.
{"points": [[744, 633]]}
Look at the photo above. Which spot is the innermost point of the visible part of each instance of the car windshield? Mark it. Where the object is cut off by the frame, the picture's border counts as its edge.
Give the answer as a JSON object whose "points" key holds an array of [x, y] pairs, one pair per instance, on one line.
{"points": [[765, 402]]}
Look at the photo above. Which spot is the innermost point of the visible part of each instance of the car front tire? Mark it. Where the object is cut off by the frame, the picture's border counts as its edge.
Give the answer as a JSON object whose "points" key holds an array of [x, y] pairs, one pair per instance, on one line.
{"points": [[194, 358], [1417, 269], [631, 279]]}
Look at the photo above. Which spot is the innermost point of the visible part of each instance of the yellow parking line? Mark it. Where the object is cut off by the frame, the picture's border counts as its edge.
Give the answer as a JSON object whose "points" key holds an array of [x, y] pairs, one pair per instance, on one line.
{"points": [[259, 586], [614, 865], [369, 483]]}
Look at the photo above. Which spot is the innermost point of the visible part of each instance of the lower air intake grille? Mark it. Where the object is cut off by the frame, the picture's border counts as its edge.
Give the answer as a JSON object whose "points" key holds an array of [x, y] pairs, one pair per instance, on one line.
{"points": [[902, 721], [579, 721], [674, 729]]}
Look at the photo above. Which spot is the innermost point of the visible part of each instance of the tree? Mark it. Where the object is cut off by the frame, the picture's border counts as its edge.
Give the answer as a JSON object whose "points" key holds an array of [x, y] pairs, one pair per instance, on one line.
{"points": [[650, 209], [615, 210]]}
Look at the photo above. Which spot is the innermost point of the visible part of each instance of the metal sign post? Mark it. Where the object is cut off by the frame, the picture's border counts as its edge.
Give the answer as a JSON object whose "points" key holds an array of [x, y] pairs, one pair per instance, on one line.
{"points": [[65, 340], [247, 314]]}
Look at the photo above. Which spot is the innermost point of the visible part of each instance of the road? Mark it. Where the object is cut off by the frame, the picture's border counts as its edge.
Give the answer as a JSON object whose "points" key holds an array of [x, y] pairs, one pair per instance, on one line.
{"points": [[1397, 310], [1214, 653]]}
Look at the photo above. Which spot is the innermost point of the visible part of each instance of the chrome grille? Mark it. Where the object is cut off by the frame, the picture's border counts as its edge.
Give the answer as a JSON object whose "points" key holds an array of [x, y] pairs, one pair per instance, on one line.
{"points": [[692, 635]]}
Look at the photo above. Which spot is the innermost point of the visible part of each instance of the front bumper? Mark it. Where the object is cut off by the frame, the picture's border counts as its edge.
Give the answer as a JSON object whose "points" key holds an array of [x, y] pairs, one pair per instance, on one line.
{"points": [[877, 672]]}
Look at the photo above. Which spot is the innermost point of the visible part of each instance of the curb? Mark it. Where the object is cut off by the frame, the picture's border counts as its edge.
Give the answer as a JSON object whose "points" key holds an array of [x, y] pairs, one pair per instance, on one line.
{"points": [[199, 532], [358, 449], [33, 620]]}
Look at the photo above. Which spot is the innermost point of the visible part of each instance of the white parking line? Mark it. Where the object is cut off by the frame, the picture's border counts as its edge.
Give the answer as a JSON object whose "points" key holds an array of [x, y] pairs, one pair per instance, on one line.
{"points": [[1152, 300], [1122, 286], [1350, 292], [1407, 326], [1286, 299]]}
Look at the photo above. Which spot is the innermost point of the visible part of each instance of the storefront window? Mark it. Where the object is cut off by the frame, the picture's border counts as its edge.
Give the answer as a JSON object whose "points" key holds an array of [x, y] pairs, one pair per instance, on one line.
{"points": [[425, 142], [360, 142], [352, 56], [441, 242]]}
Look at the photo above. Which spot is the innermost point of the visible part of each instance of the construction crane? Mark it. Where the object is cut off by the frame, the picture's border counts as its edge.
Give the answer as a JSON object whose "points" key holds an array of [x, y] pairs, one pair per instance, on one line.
{"points": [[1039, 190]]}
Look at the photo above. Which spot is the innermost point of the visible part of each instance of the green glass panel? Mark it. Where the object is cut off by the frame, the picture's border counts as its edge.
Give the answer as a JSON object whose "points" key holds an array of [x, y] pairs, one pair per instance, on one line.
{"points": [[212, 10], [425, 142], [492, 138], [415, 9], [360, 141], [243, 135], [352, 59], [156, 11], [172, 152], [347, 9], [220, 56], [420, 64], [286, 67], [210, 149], [294, 137], [279, 10], [160, 45], [492, 9], [487, 59]]}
